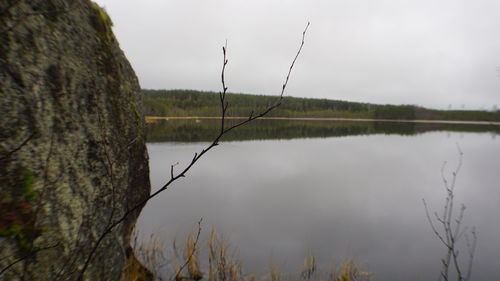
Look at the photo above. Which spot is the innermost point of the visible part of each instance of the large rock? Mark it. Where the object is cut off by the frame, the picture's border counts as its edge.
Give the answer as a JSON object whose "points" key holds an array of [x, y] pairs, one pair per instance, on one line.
{"points": [[72, 152]]}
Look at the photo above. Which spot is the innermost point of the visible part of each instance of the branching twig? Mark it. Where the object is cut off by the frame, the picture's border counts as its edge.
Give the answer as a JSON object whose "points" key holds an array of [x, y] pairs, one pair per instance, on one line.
{"points": [[452, 230], [197, 156]]}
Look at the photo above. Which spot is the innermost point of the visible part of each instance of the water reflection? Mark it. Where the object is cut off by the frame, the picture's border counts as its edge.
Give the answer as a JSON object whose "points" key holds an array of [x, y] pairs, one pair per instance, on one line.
{"points": [[206, 129], [357, 196]]}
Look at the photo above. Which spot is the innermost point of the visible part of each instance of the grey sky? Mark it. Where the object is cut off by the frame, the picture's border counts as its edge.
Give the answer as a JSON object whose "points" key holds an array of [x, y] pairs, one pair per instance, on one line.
{"points": [[423, 52]]}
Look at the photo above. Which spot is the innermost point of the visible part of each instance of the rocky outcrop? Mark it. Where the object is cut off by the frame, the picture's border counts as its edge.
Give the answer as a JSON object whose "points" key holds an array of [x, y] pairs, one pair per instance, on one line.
{"points": [[72, 150]]}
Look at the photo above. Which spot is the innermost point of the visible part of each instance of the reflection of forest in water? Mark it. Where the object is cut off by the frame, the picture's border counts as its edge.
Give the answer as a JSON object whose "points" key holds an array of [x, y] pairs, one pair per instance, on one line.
{"points": [[205, 130]]}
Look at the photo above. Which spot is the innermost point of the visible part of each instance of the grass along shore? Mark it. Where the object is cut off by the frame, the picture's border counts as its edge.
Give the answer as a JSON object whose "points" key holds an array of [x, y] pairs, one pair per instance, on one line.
{"points": [[215, 259]]}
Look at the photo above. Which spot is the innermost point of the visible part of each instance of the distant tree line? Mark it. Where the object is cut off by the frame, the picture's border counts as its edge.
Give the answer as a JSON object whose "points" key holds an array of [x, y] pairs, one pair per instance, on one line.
{"points": [[199, 103]]}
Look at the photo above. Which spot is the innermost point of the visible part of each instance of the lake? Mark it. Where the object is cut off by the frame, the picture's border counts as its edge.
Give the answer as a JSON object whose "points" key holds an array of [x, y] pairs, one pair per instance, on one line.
{"points": [[278, 189]]}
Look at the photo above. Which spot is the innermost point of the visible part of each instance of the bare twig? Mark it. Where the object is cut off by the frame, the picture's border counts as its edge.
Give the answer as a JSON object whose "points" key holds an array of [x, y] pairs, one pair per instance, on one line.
{"points": [[191, 254], [471, 248], [431, 222], [197, 156], [8, 154], [172, 169], [451, 229], [32, 253]]}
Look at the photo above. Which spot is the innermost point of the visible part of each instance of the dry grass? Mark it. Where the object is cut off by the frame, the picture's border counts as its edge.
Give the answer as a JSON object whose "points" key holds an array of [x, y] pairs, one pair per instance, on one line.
{"points": [[222, 261], [275, 274], [309, 266], [349, 271], [150, 254], [191, 257], [135, 271], [222, 264]]}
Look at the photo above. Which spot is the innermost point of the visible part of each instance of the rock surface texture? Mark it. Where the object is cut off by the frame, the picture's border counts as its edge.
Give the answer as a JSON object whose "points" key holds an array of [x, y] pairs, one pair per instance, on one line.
{"points": [[72, 148]]}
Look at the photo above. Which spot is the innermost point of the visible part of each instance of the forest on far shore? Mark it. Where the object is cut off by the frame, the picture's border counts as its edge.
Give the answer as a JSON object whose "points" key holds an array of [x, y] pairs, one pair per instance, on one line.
{"points": [[200, 103]]}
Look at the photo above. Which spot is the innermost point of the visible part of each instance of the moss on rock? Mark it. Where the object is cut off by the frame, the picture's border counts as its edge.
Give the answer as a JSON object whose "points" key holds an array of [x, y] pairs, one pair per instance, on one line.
{"points": [[71, 106]]}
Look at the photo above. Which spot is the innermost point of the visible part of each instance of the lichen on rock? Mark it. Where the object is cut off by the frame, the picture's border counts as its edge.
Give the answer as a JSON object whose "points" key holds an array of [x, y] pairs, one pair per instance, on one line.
{"points": [[72, 149]]}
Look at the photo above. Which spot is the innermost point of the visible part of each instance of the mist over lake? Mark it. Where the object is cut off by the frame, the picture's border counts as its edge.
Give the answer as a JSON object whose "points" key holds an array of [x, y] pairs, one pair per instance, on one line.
{"points": [[354, 190]]}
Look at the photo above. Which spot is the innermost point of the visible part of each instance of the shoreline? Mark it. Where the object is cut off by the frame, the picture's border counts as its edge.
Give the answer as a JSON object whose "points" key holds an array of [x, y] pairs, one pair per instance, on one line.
{"points": [[152, 119]]}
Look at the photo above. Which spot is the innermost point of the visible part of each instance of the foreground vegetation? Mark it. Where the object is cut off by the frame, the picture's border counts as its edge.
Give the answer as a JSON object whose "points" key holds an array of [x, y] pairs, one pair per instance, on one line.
{"points": [[221, 263], [198, 103]]}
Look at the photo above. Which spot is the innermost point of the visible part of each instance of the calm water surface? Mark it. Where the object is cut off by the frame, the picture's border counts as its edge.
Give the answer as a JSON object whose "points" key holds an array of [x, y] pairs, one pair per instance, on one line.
{"points": [[357, 196]]}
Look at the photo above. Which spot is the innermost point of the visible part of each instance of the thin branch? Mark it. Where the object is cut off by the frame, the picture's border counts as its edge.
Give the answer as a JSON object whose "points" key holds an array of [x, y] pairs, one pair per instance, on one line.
{"points": [[471, 248], [431, 223], [280, 99], [195, 245], [172, 169], [197, 156], [32, 253], [8, 154], [452, 229], [294, 60]]}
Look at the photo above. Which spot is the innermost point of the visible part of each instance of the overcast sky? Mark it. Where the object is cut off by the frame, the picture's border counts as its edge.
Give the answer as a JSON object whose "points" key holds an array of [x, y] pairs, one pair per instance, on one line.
{"points": [[422, 52]]}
